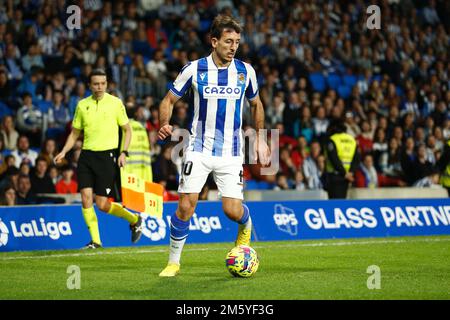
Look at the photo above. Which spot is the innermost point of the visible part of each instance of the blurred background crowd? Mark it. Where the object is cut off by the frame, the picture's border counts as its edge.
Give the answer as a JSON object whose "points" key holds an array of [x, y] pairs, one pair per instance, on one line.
{"points": [[316, 61]]}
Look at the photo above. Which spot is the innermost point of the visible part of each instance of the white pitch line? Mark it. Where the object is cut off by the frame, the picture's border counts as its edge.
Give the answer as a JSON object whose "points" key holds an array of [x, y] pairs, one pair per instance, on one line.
{"points": [[260, 245]]}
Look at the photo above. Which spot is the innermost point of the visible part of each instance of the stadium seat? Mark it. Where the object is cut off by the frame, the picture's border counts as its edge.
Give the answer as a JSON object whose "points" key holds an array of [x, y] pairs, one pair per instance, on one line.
{"points": [[350, 80], [4, 110], [204, 25], [76, 71], [317, 81], [377, 77], [344, 91], [334, 81], [263, 185], [43, 105], [251, 185], [127, 60]]}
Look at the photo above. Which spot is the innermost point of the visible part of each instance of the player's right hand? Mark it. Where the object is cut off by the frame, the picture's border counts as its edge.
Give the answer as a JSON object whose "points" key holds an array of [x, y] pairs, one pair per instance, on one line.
{"points": [[59, 157], [165, 131]]}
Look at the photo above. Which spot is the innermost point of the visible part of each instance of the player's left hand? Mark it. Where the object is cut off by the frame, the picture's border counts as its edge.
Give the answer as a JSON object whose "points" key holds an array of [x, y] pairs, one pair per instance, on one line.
{"points": [[262, 152], [122, 160]]}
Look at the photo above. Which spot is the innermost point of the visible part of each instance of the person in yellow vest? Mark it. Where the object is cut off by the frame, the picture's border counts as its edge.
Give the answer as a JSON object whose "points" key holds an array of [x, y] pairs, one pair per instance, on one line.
{"points": [[139, 160], [99, 116], [342, 160], [444, 166]]}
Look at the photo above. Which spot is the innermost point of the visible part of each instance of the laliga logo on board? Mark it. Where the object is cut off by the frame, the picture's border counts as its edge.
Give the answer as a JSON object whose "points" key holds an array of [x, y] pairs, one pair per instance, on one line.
{"points": [[3, 234], [285, 219], [154, 228]]}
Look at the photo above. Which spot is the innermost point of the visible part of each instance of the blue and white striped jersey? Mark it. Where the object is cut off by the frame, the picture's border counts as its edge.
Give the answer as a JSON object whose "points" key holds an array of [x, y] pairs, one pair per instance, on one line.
{"points": [[218, 103]]}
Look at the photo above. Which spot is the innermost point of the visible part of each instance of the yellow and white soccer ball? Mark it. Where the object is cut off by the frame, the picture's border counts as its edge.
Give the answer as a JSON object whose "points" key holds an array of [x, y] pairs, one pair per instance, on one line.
{"points": [[242, 261]]}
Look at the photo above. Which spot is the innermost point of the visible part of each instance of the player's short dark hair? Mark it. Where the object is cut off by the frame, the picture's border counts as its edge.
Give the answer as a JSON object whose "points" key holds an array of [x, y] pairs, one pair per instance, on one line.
{"points": [[222, 22], [97, 72]]}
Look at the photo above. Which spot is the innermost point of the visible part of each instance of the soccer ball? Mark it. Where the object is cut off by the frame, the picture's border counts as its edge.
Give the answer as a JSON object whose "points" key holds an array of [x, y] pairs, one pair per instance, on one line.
{"points": [[242, 261]]}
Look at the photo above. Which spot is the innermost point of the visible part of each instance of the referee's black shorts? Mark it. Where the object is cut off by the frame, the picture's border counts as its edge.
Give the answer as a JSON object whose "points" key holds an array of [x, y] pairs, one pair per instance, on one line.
{"points": [[98, 170]]}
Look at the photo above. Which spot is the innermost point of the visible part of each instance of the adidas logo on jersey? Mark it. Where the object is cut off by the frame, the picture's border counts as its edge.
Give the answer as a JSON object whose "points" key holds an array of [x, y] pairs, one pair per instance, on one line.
{"points": [[221, 92]]}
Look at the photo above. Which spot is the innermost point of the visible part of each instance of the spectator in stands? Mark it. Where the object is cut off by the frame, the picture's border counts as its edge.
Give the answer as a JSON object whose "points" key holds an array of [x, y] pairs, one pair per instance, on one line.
{"points": [[368, 177], [73, 101], [58, 114], [66, 185], [23, 152], [380, 146], [287, 166], [274, 112], [54, 174], [157, 72], [25, 168], [281, 182], [24, 194], [421, 166], [320, 123], [49, 151], [352, 127], [365, 138], [311, 168], [30, 120], [8, 162], [9, 133], [410, 105], [12, 63], [32, 58], [32, 83], [40, 181], [8, 196], [299, 183], [430, 181], [167, 176]]}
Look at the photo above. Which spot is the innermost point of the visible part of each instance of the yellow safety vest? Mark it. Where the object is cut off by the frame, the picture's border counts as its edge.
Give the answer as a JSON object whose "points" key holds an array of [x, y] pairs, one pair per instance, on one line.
{"points": [[345, 147], [445, 178], [100, 121], [139, 160]]}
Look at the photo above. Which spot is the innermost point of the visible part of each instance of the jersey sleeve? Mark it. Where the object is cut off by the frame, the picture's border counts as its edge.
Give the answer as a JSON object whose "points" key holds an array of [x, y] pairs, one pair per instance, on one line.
{"points": [[122, 118], [77, 122], [252, 89], [183, 81]]}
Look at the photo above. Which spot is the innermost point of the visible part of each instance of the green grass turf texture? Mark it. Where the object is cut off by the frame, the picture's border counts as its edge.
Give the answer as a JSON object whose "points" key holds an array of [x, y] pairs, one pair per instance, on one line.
{"points": [[411, 268]]}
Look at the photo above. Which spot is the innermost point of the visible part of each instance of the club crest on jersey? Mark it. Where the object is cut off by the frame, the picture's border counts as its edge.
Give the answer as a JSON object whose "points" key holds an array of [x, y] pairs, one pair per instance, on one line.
{"points": [[221, 92], [241, 78]]}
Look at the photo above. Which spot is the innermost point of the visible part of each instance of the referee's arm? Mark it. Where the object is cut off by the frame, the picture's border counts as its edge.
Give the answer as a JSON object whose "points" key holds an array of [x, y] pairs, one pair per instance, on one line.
{"points": [[71, 139], [127, 129]]}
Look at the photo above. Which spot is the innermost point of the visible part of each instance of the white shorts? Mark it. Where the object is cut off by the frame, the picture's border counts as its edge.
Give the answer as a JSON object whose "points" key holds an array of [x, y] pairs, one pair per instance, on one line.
{"points": [[227, 173]]}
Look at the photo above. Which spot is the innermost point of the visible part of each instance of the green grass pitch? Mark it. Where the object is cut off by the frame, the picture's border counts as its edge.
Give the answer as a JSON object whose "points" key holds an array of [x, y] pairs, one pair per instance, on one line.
{"points": [[410, 268]]}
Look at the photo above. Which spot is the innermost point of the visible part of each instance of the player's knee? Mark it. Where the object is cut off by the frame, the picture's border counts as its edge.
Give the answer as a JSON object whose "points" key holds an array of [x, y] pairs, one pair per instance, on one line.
{"points": [[103, 204], [86, 201], [185, 209], [234, 212]]}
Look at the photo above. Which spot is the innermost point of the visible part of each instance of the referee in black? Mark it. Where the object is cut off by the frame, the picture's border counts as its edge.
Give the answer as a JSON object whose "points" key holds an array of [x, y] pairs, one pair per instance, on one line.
{"points": [[99, 116]]}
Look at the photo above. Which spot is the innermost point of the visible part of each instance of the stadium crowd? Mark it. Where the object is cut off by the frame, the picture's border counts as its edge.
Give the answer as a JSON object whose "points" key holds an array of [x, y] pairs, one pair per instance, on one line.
{"points": [[316, 61]]}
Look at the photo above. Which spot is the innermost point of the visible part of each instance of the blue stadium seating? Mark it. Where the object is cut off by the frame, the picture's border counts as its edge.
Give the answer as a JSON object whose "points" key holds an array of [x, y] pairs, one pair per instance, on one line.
{"points": [[257, 185], [344, 91], [317, 81], [204, 25], [350, 80], [43, 105], [4, 110], [251, 185], [334, 81]]}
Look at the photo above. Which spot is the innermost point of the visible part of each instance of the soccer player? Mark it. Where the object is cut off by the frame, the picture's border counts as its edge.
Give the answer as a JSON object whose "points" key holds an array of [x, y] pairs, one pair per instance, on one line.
{"points": [[100, 116], [219, 83]]}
